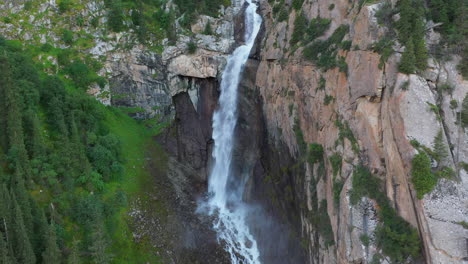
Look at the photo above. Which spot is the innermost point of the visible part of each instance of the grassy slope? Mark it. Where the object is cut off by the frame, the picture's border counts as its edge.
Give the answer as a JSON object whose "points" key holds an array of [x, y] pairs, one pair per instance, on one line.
{"points": [[136, 140]]}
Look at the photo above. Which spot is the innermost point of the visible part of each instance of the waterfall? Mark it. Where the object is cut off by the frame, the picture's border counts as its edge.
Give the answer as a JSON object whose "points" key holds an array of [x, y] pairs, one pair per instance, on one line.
{"points": [[226, 190]]}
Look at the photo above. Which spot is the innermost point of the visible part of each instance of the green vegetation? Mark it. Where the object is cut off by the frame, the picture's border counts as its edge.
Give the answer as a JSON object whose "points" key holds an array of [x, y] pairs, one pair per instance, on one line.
{"points": [[305, 31], [331, 7], [445, 88], [440, 149], [67, 166], [316, 28], [453, 104], [301, 144], [300, 26], [315, 153], [207, 30], [463, 224], [411, 33], [322, 83], [405, 85], [322, 221], [323, 52], [365, 240], [328, 99], [190, 9], [337, 187], [345, 132], [452, 15], [422, 177], [191, 47], [384, 48], [464, 112], [396, 237], [346, 45], [297, 4], [336, 161], [67, 37]]}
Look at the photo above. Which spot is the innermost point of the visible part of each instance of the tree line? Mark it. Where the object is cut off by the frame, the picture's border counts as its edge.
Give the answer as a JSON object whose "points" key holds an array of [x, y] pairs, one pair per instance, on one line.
{"points": [[56, 154]]}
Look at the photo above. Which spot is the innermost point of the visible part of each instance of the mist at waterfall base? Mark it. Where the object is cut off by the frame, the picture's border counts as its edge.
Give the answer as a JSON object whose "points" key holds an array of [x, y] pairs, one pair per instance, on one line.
{"points": [[225, 189]]}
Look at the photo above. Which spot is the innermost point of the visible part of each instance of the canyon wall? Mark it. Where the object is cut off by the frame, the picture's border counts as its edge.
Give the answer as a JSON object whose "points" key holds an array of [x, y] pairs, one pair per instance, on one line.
{"points": [[373, 114]]}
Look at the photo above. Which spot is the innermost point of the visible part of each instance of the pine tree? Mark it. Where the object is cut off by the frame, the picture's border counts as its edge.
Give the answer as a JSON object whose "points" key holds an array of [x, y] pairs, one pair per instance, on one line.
{"points": [[51, 254], [208, 30], [74, 257], [5, 257], [20, 240], [420, 50], [14, 128], [440, 149], [23, 199], [407, 63], [99, 246], [405, 24], [40, 229]]}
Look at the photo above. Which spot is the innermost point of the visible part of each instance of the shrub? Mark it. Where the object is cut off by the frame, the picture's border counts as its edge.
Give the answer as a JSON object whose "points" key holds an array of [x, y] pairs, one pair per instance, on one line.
{"points": [[445, 172], [283, 15], [322, 83], [191, 47], [342, 65], [116, 17], [384, 14], [297, 4], [46, 47], [300, 26], [422, 177], [299, 136], [365, 240], [6, 19], [64, 6], [404, 86], [208, 30], [463, 224], [28, 5], [364, 184], [331, 7], [384, 48], [317, 27], [346, 45], [322, 221], [440, 150], [315, 153], [67, 37], [396, 237], [415, 143], [323, 53], [453, 104], [464, 112], [337, 187], [336, 162], [328, 99], [95, 22], [408, 59]]}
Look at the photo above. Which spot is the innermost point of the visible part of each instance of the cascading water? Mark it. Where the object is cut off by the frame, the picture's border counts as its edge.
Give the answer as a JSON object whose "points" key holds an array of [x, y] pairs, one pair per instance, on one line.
{"points": [[225, 188]]}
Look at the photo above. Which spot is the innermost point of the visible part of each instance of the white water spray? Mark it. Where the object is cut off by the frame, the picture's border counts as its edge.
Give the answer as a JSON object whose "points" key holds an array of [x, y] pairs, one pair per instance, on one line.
{"points": [[225, 189]]}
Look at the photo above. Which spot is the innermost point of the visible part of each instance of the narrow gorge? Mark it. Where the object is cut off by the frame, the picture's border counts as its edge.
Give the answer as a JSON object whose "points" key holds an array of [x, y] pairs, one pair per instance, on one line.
{"points": [[256, 131]]}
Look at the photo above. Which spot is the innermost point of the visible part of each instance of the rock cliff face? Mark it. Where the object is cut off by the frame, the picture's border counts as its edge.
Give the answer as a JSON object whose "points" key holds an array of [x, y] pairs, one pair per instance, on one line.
{"points": [[366, 113], [384, 110]]}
